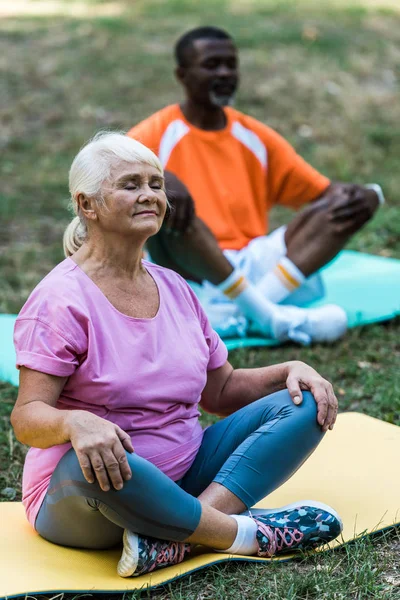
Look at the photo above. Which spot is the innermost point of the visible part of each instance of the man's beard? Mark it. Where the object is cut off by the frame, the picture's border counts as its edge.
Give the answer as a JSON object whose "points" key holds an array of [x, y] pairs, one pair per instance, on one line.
{"points": [[221, 99]]}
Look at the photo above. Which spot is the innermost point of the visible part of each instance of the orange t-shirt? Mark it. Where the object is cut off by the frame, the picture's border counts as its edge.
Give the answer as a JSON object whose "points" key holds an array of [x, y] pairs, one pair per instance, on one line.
{"points": [[235, 175]]}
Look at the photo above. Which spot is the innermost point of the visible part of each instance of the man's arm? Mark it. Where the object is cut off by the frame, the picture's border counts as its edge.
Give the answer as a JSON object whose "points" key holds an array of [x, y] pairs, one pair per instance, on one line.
{"points": [[294, 183], [182, 212]]}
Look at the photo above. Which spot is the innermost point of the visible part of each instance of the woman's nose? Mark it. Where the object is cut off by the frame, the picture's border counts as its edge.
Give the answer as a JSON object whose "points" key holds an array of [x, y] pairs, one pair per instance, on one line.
{"points": [[147, 194]]}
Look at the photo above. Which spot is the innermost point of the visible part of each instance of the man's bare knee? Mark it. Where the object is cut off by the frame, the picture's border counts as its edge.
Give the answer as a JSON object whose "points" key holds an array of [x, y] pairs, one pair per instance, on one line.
{"points": [[314, 240]]}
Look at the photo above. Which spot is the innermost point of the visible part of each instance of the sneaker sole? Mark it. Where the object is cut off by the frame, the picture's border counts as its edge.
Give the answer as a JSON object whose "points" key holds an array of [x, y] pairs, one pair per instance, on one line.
{"points": [[130, 555], [313, 503]]}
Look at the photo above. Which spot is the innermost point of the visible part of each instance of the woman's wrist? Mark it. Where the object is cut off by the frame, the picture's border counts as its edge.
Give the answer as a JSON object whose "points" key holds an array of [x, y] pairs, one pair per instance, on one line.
{"points": [[276, 375], [68, 422], [287, 367]]}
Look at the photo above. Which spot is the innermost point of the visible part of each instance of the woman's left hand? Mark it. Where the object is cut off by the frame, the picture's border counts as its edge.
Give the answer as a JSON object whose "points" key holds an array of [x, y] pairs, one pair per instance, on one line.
{"points": [[302, 377]]}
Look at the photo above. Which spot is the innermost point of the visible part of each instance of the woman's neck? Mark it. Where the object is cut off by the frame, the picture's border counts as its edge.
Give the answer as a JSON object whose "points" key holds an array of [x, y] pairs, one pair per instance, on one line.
{"points": [[110, 257]]}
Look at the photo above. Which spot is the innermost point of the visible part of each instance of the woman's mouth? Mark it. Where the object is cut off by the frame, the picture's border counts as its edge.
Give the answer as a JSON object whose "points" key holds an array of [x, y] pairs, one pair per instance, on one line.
{"points": [[146, 212]]}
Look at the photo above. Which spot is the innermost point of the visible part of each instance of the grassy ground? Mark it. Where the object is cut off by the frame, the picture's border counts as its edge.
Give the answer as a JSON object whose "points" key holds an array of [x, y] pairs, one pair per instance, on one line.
{"points": [[326, 77]]}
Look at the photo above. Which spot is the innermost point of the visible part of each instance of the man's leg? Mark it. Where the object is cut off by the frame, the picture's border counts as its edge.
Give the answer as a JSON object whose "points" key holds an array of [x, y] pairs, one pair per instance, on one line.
{"points": [[312, 240], [196, 255]]}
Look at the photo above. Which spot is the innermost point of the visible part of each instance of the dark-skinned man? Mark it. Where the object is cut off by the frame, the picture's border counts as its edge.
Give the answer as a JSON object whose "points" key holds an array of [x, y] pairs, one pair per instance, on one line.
{"points": [[224, 172]]}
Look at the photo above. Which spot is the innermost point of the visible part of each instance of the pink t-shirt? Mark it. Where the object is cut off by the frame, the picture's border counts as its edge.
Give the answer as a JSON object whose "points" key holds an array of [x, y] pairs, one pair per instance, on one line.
{"points": [[145, 375]]}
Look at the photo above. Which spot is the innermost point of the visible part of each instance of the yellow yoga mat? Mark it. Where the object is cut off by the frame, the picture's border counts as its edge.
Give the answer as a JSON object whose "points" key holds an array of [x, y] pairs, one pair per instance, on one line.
{"points": [[352, 470]]}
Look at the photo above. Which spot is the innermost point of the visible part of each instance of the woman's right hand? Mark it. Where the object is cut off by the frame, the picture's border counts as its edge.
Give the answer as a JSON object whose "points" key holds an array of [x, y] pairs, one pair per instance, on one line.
{"points": [[100, 447]]}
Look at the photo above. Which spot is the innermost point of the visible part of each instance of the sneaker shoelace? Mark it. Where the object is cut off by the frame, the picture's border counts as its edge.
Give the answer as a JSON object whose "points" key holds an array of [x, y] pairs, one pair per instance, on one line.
{"points": [[297, 334], [169, 554], [297, 328], [280, 538]]}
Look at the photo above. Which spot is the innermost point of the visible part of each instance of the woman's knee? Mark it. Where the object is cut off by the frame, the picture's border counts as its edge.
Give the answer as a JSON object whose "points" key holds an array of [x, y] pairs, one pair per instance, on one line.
{"points": [[305, 414]]}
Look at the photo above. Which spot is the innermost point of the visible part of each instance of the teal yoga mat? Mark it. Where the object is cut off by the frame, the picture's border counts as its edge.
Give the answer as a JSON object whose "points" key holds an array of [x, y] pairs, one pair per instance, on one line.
{"points": [[8, 372], [366, 286]]}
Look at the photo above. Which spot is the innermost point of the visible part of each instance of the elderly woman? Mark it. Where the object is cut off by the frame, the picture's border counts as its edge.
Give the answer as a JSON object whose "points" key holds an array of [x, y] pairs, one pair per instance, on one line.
{"points": [[115, 357]]}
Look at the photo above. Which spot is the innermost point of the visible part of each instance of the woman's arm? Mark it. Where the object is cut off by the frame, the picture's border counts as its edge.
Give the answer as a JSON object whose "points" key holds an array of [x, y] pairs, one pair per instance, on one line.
{"points": [[99, 444], [35, 419], [227, 389]]}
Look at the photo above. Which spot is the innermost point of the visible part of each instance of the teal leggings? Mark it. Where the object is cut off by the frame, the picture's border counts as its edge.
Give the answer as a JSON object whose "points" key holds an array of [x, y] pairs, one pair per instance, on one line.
{"points": [[251, 452]]}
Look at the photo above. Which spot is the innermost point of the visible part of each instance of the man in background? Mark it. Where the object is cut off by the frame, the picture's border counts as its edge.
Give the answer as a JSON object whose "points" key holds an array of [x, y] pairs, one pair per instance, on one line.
{"points": [[224, 173]]}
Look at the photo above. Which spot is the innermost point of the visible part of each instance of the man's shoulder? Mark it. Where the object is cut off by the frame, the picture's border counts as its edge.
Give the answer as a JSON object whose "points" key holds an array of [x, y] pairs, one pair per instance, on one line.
{"points": [[264, 131], [157, 121]]}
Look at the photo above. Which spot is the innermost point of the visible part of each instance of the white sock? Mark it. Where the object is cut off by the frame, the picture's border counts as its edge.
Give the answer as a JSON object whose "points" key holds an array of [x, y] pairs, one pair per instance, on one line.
{"points": [[250, 300], [245, 541], [284, 279]]}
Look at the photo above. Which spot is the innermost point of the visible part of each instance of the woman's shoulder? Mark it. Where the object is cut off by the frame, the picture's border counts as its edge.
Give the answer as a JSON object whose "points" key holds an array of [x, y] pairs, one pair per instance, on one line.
{"points": [[59, 292]]}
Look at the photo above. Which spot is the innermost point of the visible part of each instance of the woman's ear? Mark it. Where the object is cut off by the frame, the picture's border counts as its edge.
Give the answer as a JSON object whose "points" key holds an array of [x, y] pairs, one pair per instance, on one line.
{"points": [[86, 206]]}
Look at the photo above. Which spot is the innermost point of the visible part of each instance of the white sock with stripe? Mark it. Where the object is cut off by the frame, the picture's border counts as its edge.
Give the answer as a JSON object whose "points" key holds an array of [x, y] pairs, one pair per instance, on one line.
{"points": [[250, 300], [284, 279], [245, 541]]}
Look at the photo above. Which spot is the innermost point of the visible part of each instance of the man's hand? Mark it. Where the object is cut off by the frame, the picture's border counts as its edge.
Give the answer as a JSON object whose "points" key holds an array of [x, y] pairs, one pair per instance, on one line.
{"points": [[182, 210], [303, 377], [350, 206]]}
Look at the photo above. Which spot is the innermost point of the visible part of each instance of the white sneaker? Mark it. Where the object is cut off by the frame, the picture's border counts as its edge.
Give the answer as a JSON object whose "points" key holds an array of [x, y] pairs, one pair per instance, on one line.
{"points": [[305, 325], [145, 554]]}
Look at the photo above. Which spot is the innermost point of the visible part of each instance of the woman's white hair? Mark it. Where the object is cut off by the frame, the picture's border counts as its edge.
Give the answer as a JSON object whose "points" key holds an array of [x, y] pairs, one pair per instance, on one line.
{"points": [[91, 167]]}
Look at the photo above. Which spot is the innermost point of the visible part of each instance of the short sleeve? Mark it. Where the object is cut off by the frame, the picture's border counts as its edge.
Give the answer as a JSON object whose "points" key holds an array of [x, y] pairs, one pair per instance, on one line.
{"points": [[51, 330], [291, 181], [217, 348], [148, 132], [41, 347]]}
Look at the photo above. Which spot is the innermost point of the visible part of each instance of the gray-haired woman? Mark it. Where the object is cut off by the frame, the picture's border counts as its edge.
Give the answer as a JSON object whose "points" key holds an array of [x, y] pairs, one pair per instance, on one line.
{"points": [[115, 357]]}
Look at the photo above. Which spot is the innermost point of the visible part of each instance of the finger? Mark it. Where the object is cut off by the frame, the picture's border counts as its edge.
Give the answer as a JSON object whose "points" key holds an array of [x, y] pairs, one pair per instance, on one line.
{"points": [[124, 467], [189, 217], [125, 439], [100, 471], [335, 405], [293, 386], [351, 225], [168, 221], [347, 212], [321, 398], [86, 467], [112, 466], [330, 413], [341, 202], [176, 217], [184, 216], [330, 417]]}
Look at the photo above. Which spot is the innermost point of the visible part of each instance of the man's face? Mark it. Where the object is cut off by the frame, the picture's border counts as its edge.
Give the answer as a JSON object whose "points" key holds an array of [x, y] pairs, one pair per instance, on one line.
{"points": [[212, 76]]}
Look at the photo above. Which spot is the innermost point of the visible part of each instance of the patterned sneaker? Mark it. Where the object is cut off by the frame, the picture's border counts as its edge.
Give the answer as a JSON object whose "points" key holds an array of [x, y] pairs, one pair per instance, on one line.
{"points": [[145, 554], [299, 526]]}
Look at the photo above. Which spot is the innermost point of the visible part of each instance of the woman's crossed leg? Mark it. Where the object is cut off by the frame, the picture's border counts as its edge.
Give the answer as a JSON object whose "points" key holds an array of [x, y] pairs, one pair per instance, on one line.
{"points": [[243, 458]]}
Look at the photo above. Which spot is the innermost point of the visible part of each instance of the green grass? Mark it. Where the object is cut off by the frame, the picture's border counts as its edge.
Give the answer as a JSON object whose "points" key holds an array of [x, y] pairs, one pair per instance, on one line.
{"points": [[333, 67]]}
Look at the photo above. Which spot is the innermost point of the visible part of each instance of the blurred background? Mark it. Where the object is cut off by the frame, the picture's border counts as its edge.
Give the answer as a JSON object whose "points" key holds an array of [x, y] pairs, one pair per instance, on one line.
{"points": [[324, 74]]}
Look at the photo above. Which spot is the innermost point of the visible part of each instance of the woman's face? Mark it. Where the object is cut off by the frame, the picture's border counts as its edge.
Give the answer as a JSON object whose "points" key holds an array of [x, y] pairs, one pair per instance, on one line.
{"points": [[135, 200]]}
